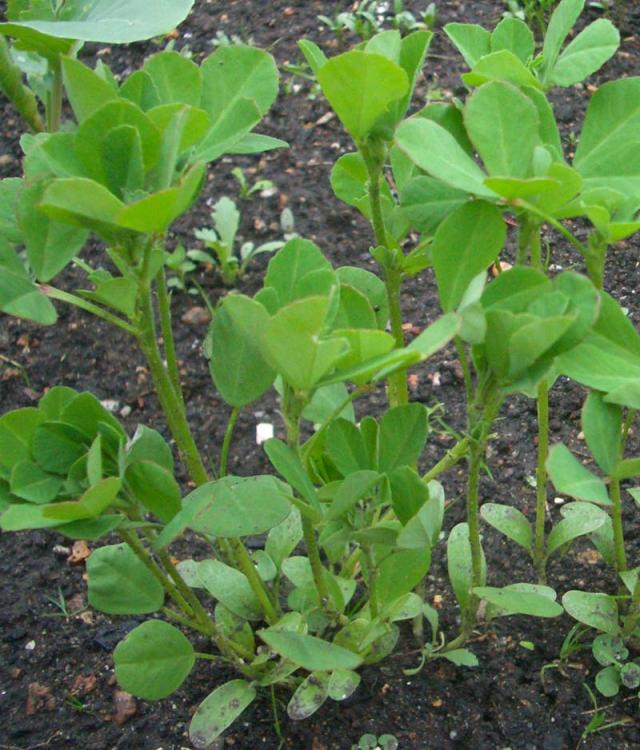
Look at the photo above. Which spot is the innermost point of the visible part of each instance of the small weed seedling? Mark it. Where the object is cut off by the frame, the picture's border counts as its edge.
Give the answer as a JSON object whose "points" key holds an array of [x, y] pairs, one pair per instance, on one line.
{"points": [[246, 188], [598, 721], [371, 742]]}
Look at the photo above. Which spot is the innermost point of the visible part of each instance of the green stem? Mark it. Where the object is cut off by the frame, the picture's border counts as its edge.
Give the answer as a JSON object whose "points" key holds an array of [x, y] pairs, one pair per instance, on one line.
{"points": [[373, 575], [166, 329], [594, 258], [169, 400], [184, 621], [466, 370], [616, 520], [398, 388], [226, 443], [71, 299], [256, 583], [21, 96], [632, 620], [525, 229], [556, 225], [452, 457], [539, 555], [54, 99]]}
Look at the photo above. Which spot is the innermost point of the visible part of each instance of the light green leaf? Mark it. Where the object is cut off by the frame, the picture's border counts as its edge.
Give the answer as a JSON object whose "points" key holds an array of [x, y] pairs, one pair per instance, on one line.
{"points": [[309, 696], [218, 711], [514, 35], [153, 660], [471, 40], [309, 652], [501, 66], [508, 521], [571, 478], [602, 427], [579, 519], [19, 296], [586, 54], [560, 24], [521, 599], [176, 78], [31, 483], [85, 89], [403, 433], [360, 87], [598, 611], [230, 587], [400, 572], [155, 487], [426, 202], [342, 684], [459, 563]]}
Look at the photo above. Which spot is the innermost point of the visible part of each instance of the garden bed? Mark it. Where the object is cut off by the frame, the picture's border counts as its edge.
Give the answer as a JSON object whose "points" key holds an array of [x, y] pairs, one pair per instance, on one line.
{"points": [[58, 688]]}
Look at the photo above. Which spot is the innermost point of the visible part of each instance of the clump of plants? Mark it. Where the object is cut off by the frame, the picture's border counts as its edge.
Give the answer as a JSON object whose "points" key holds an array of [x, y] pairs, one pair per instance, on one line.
{"points": [[349, 517]]}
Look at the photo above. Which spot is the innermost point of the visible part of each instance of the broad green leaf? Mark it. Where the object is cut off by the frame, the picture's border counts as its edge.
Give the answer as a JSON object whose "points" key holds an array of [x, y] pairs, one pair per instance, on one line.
{"points": [[55, 401], [218, 711], [549, 132], [598, 611], [121, 153], [571, 478], [309, 696], [403, 433], [91, 504], [325, 402], [531, 340], [466, 243], [153, 660], [292, 343], [121, 584], [354, 310], [401, 572], [436, 151], [606, 153], [230, 587], [501, 66], [20, 517], [345, 447], [176, 78], [459, 564], [356, 486], [461, 657], [309, 652], [107, 21], [91, 529], [240, 83], [17, 429], [364, 345], [240, 506], [155, 487], [608, 681], [602, 427], [86, 413], [19, 296], [342, 684], [586, 54], [508, 521], [120, 294], [139, 89], [503, 125], [237, 366], [85, 89], [10, 189], [375, 369], [560, 24], [30, 482], [57, 445], [514, 35], [360, 87], [284, 537], [578, 519], [426, 202], [513, 187], [287, 462], [255, 143], [408, 492], [471, 40], [521, 599]]}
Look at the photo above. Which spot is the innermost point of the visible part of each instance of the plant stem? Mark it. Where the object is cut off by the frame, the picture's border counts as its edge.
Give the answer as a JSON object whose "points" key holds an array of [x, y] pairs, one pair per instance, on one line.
{"points": [[169, 399], [594, 257], [466, 370], [525, 230], [226, 443], [257, 584], [54, 99], [451, 458], [616, 521], [71, 299], [398, 388], [539, 555], [371, 583], [164, 308], [21, 96], [633, 615]]}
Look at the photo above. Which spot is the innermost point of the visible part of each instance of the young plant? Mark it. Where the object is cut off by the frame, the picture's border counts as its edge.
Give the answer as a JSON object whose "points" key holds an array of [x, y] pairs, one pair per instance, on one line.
{"points": [[46, 32], [371, 742], [363, 22], [221, 239], [533, 12], [247, 189]]}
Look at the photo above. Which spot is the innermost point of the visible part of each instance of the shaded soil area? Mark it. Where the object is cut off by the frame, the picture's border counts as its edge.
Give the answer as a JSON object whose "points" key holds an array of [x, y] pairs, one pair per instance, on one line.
{"points": [[57, 688]]}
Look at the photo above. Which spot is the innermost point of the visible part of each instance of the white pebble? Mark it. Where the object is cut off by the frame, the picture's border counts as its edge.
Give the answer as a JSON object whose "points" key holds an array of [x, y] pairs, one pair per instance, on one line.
{"points": [[30, 646], [264, 431]]}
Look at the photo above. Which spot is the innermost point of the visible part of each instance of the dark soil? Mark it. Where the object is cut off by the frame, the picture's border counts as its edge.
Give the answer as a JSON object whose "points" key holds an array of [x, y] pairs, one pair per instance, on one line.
{"points": [[57, 688]]}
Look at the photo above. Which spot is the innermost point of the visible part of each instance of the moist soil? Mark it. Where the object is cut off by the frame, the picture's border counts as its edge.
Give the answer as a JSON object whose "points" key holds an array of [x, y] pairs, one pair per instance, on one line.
{"points": [[57, 687]]}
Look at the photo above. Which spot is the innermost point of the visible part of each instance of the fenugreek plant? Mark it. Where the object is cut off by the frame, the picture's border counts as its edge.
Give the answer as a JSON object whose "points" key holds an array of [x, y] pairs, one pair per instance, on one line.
{"points": [[349, 522]]}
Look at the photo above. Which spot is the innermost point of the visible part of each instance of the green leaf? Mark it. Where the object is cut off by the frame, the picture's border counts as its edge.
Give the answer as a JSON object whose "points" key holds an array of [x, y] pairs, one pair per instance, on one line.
{"points": [[401, 572], [230, 587], [31, 483], [352, 489], [292, 345], [364, 346], [408, 491], [155, 487], [309, 696], [240, 83], [360, 87], [471, 40], [342, 684], [284, 538], [309, 652], [287, 462], [403, 433], [148, 445], [17, 429], [91, 504], [560, 24], [10, 190], [345, 447], [121, 584], [521, 599], [85, 89], [324, 403], [176, 78], [314, 56], [586, 54], [514, 35], [608, 681], [19, 296], [107, 21], [579, 519], [508, 521], [57, 445], [598, 611], [218, 711], [153, 660], [466, 243], [571, 478], [503, 125], [354, 310], [459, 563], [432, 148], [602, 427], [237, 367], [501, 66], [240, 506], [20, 517], [426, 202], [606, 153], [461, 657]]}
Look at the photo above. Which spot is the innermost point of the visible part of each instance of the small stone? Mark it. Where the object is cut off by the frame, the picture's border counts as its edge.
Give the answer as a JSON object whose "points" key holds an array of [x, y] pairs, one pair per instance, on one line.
{"points": [[264, 432], [196, 316], [125, 411], [111, 405], [38, 698], [125, 707], [30, 646], [61, 551]]}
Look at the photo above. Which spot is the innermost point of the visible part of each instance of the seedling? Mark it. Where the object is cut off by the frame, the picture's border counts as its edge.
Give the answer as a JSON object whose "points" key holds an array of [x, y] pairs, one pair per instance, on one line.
{"points": [[247, 189], [371, 742], [598, 722]]}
